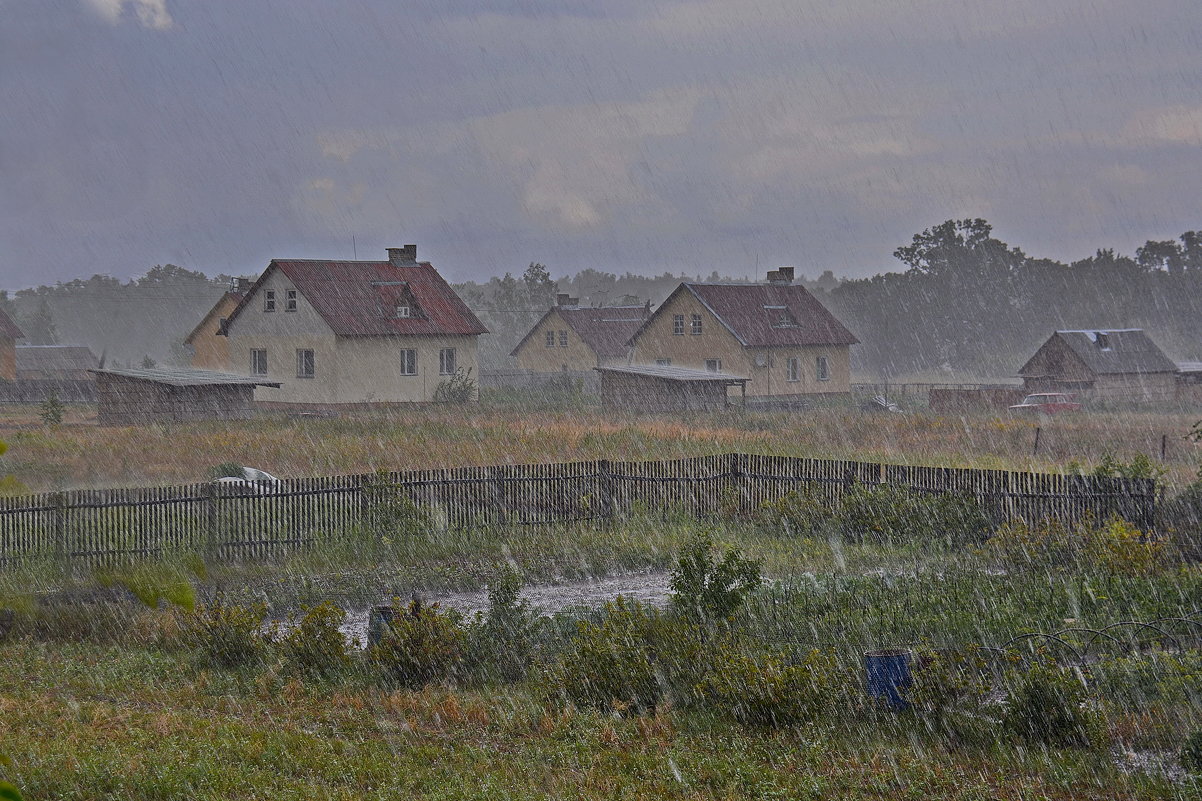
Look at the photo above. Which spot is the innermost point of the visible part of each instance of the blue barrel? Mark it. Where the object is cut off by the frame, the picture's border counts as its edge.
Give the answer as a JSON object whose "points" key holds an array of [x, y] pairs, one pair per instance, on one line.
{"points": [[378, 619], [887, 675]]}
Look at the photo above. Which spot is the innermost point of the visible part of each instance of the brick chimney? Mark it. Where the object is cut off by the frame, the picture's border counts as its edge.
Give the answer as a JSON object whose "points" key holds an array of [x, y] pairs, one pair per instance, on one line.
{"points": [[403, 255], [562, 299], [781, 277]]}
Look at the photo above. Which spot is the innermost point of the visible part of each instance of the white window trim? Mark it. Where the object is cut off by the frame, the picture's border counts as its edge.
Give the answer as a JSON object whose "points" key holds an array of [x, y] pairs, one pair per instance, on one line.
{"points": [[254, 362], [300, 363], [269, 303], [442, 361], [290, 300], [677, 325], [793, 369], [823, 368], [695, 325]]}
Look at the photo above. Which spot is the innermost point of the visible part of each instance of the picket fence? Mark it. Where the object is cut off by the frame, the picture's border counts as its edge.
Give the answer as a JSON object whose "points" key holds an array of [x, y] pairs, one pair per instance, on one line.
{"points": [[98, 527]]}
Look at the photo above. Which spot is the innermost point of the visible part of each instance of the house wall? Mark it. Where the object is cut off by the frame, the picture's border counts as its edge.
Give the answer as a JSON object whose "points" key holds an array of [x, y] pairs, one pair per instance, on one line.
{"points": [[210, 351], [1136, 387], [369, 368], [8, 359], [716, 342], [536, 356]]}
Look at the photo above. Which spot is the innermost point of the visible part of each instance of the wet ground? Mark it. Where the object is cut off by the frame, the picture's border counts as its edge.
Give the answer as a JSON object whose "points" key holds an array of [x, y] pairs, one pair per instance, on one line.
{"points": [[651, 588]]}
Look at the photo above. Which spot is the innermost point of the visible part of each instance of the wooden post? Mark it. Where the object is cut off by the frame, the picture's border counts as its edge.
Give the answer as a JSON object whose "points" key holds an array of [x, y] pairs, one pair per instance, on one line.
{"points": [[208, 494], [606, 490], [1164, 445], [1035, 447]]}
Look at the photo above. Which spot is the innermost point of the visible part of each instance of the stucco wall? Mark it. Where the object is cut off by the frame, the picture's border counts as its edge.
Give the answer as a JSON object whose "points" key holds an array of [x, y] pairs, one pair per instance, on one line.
{"points": [[536, 356], [369, 368], [210, 351]]}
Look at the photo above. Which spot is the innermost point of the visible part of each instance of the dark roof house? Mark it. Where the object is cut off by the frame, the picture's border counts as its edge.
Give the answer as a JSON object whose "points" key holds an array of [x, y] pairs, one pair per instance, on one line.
{"points": [[55, 362], [1118, 363]]}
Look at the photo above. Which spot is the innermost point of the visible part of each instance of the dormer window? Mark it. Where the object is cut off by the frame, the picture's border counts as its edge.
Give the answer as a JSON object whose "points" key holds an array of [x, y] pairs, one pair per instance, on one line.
{"points": [[404, 312], [1102, 339]]}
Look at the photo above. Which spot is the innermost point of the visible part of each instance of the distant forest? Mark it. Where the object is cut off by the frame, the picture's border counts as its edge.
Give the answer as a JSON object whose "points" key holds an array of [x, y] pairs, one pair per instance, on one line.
{"points": [[965, 305]]}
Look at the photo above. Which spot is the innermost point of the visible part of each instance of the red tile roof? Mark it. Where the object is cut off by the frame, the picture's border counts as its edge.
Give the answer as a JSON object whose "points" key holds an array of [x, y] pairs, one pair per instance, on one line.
{"points": [[8, 328], [605, 330], [768, 315], [359, 298]]}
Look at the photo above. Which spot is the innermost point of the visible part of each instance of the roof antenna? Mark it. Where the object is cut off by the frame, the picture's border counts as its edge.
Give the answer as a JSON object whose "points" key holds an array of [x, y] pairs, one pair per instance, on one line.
{"points": [[354, 249]]}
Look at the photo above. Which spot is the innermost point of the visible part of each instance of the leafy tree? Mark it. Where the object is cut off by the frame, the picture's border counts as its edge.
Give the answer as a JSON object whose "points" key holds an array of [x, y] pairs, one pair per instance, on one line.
{"points": [[705, 588]]}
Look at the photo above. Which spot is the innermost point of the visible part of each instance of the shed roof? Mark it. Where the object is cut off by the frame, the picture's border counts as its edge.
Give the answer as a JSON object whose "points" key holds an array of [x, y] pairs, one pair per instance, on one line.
{"points": [[1108, 351], [359, 298], [55, 357], [767, 315], [8, 328], [187, 377], [669, 373], [606, 330]]}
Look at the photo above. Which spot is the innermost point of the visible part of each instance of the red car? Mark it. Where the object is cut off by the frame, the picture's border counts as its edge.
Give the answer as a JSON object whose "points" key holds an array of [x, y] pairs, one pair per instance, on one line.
{"points": [[1046, 403]]}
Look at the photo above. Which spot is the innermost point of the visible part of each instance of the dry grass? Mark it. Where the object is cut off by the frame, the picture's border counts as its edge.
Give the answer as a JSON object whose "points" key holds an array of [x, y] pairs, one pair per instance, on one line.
{"points": [[79, 454]]}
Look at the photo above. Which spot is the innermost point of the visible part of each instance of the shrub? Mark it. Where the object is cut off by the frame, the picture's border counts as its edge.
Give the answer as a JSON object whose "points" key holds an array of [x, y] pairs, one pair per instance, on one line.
{"points": [[632, 660], [1181, 518], [758, 687], [228, 635], [888, 514], [153, 584], [800, 514], [501, 643], [1119, 547], [315, 646], [422, 646], [1047, 707], [52, 410], [948, 690], [391, 512], [1191, 753], [1116, 546], [459, 388], [705, 589]]}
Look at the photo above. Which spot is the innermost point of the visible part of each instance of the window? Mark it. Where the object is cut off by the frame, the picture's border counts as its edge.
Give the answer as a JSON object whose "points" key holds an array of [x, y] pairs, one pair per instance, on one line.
{"points": [[663, 362], [290, 300], [713, 365], [696, 325], [678, 324], [305, 367], [408, 362], [550, 339], [824, 370], [269, 300], [258, 361], [446, 361], [794, 369], [403, 312], [563, 339]]}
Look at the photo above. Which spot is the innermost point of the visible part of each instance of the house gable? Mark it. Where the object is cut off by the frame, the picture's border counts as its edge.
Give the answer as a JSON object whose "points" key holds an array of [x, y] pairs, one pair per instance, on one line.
{"points": [[1055, 359]]}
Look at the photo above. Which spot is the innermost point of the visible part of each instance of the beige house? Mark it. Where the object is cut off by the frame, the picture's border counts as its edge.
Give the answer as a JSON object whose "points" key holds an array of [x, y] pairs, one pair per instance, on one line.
{"points": [[207, 343], [352, 332], [571, 338], [776, 334], [1114, 364]]}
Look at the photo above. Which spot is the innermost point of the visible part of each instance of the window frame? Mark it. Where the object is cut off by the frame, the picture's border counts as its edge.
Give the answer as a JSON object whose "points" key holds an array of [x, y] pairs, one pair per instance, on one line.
{"points": [[549, 339], [677, 325], [290, 300], [695, 325], [822, 367], [663, 362], [408, 359], [300, 363], [269, 304], [254, 361], [793, 370], [717, 365], [443, 359], [563, 339]]}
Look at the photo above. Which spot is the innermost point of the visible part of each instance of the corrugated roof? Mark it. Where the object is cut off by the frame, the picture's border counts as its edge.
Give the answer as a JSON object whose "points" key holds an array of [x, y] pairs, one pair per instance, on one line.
{"points": [[768, 315], [1120, 350], [8, 328], [186, 377], [359, 298], [55, 358], [670, 373], [606, 330]]}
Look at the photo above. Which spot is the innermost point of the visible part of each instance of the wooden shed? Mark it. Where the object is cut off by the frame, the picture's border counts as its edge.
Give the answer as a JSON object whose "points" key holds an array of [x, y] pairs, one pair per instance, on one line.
{"points": [[136, 397], [638, 388], [1121, 364]]}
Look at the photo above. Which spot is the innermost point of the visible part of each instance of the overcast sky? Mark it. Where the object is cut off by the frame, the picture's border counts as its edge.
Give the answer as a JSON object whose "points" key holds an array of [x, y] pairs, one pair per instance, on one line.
{"points": [[621, 134]]}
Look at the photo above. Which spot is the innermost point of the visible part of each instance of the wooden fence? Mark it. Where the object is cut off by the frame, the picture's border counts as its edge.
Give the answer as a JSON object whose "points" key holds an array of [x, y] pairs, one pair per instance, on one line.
{"points": [[97, 527]]}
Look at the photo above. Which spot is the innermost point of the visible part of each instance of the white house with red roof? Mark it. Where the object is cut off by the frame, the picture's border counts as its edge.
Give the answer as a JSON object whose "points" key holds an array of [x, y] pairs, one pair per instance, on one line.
{"points": [[352, 332]]}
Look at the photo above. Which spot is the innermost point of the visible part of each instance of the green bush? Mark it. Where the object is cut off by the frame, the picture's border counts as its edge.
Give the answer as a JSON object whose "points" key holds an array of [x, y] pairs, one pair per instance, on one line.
{"points": [[422, 646], [1115, 547], [707, 589], [1047, 706], [315, 646], [759, 687], [459, 388], [391, 512], [227, 635], [800, 514], [1181, 519], [632, 660], [948, 691], [1191, 753], [501, 642], [52, 410]]}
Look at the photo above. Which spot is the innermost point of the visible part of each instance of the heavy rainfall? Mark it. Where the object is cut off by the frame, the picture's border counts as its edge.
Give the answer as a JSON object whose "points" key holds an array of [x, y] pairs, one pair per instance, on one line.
{"points": [[698, 399]]}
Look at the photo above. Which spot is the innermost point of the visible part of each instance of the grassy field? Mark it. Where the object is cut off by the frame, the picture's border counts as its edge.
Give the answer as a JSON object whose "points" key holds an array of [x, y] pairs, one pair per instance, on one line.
{"points": [[78, 454]]}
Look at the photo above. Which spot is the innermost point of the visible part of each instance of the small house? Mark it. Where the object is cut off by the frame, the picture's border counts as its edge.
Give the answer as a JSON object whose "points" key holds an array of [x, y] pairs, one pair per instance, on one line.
{"points": [[1107, 363], [61, 363], [207, 343], [352, 332], [777, 334], [666, 389], [9, 334], [158, 395], [570, 337]]}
